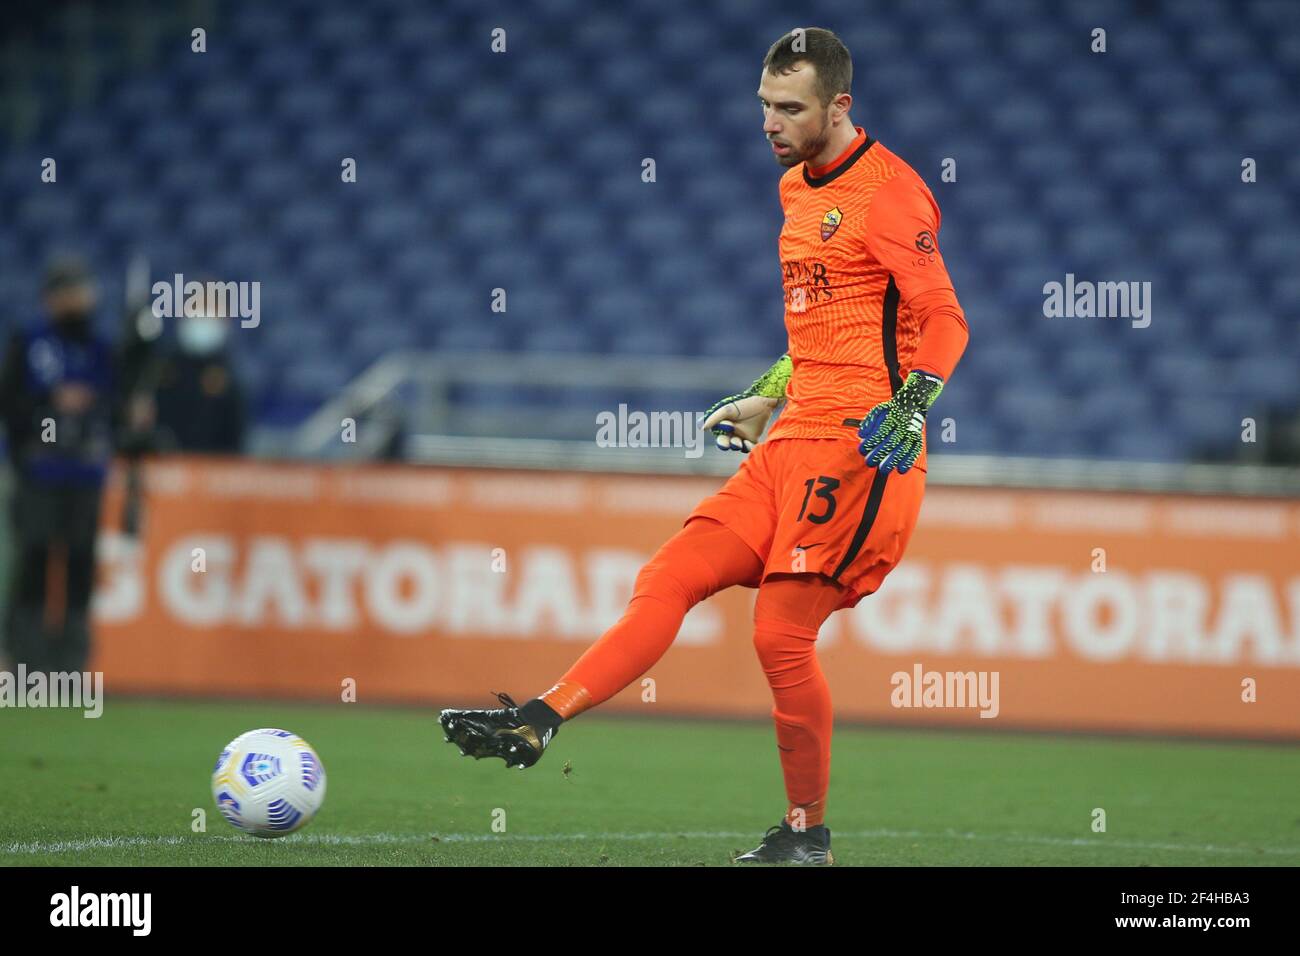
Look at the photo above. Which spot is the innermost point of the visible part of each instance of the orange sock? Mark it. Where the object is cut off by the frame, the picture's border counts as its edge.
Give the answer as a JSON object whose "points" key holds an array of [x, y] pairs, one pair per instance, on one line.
{"points": [[702, 558], [567, 698], [787, 615]]}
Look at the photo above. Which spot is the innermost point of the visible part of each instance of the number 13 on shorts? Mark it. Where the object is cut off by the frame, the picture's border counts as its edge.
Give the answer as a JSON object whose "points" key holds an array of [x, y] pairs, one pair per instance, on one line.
{"points": [[837, 516]]}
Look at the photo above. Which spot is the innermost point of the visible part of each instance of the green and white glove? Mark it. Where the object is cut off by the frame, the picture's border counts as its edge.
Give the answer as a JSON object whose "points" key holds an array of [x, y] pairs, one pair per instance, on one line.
{"points": [[892, 431], [738, 420]]}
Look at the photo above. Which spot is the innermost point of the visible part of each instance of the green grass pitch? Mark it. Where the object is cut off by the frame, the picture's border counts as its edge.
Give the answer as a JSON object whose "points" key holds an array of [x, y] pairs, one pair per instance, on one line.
{"points": [[122, 789]]}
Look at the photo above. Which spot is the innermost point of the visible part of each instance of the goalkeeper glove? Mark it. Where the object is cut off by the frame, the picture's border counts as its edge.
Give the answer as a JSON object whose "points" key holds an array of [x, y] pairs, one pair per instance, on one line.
{"points": [[892, 431], [738, 420]]}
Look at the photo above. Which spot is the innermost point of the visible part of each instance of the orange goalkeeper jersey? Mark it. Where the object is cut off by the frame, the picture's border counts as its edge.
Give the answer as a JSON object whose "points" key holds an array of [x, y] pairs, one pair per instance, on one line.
{"points": [[858, 245]]}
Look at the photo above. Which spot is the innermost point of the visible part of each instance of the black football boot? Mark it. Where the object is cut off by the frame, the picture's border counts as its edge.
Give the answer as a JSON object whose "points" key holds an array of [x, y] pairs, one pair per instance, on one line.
{"points": [[506, 733], [783, 844]]}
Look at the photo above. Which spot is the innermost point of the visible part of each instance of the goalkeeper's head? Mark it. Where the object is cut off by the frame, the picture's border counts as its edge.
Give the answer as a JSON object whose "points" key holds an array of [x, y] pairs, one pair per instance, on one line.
{"points": [[804, 92]]}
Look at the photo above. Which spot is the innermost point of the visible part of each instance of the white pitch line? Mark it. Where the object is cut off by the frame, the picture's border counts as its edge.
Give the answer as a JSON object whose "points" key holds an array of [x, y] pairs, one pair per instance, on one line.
{"points": [[394, 839]]}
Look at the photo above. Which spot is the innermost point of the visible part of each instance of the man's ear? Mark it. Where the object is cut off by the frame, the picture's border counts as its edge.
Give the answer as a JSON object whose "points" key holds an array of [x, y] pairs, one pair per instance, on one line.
{"points": [[840, 106]]}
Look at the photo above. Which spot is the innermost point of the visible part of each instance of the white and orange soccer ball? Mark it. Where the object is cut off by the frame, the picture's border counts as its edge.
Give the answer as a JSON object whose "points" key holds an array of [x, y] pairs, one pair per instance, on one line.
{"points": [[268, 782]]}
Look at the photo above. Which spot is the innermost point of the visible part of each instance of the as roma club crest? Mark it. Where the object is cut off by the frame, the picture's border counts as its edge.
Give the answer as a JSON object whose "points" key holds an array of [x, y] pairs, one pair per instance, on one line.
{"points": [[831, 222]]}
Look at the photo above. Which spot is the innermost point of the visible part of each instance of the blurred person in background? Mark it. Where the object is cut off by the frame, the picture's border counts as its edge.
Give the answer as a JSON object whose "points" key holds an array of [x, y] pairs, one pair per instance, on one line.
{"points": [[57, 400], [200, 401]]}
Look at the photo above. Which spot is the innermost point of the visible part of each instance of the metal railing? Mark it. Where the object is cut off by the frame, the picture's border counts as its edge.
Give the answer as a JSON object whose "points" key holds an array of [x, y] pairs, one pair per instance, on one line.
{"points": [[415, 392], [421, 388]]}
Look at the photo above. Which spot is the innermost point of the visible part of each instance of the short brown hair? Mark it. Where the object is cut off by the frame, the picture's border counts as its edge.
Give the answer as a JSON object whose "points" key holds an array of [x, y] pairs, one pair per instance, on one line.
{"points": [[824, 50]]}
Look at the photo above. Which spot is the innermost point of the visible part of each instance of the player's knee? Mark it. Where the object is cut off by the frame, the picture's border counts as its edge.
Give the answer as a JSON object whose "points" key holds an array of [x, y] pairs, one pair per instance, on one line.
{"points": [[671, 575], [782, 646], [803, 599], [767, 644]]}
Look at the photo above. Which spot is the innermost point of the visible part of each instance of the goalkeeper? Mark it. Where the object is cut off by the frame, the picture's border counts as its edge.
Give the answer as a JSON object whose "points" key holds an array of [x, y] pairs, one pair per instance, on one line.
{"points": [[822, 510]]}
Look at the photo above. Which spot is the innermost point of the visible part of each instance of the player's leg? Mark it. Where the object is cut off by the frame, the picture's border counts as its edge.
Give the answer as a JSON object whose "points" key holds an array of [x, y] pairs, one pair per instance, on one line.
{"points": [[703, 558], [32, 518], [841, 528], [74, 647], [790, 610], [27, 642], [76, 563]]}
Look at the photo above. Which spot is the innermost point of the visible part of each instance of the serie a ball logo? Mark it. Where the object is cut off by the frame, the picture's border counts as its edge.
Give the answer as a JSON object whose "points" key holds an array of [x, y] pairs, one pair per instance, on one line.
{"points": [[268, 782]]}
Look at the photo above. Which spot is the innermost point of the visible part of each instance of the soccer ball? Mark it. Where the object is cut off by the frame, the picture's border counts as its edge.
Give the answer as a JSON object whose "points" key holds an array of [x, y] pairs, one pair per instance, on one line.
{"points": [[268, 782]]}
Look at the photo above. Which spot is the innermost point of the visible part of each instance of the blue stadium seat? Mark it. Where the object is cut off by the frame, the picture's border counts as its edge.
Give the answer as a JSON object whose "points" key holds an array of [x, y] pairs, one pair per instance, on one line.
{"points": [[1266, 377], [657, 339], [472, 337], [224, 103], [561, 338], [1151, 443], [131, 215], [307, 102]]}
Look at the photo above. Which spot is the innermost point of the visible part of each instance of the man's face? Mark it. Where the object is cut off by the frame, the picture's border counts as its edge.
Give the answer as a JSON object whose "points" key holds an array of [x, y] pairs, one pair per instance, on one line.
{"points": [[794, 121], [71, 304]]}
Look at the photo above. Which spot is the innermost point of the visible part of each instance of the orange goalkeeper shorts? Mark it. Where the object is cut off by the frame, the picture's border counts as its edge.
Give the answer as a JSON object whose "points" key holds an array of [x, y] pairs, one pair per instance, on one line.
{"points": [[812, 505]]}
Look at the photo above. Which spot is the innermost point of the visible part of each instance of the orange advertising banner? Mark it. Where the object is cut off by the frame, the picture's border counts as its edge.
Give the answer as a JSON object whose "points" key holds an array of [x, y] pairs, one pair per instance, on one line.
{"points": [[1015, 609]]}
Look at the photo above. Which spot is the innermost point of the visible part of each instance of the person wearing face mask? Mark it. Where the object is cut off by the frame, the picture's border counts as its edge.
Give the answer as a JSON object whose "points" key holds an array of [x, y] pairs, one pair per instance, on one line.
{"points": [[199, 399], [56, 400]]}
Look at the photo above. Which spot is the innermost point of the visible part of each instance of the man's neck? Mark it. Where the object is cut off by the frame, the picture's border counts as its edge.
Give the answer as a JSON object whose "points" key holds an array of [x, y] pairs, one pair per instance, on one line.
{"points": [[841, 137]]}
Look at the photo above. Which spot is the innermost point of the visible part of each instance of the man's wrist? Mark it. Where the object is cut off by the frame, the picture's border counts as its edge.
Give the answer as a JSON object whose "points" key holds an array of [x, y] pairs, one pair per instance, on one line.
{"points": [[929, 376], [772, 383], [926, 386]]}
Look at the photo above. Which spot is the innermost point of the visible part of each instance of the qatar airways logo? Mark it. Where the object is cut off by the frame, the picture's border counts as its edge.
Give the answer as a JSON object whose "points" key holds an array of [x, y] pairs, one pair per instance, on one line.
{"points": [[806, 283]]}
